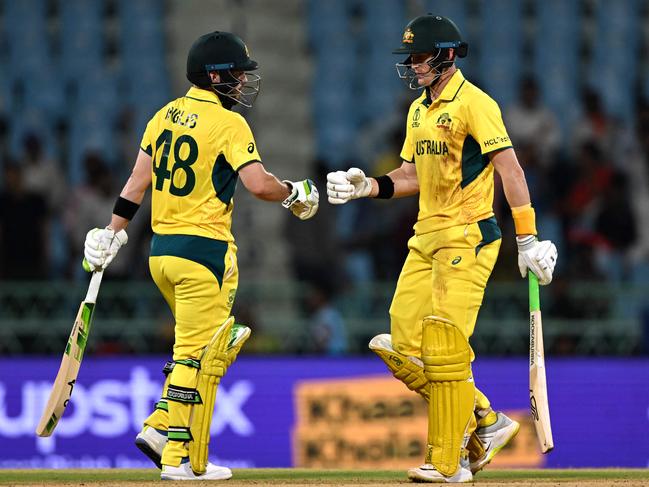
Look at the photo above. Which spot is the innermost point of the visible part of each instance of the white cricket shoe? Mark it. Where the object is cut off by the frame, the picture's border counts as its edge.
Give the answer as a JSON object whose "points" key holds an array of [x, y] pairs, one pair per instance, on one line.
{"points": [[494, 438], [184, 472], [151, 442], [428, 473]]}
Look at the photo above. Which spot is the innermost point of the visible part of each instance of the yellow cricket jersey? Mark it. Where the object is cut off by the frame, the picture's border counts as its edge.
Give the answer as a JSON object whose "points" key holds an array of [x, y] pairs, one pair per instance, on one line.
{"points": [[449, 140], [197, 148]]}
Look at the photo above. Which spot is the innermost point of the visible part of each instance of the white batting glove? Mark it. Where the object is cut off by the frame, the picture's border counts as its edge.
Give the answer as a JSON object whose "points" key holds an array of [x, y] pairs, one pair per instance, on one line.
{"points": [[539, 257], [101, 247], [303, 200], [343, 186]]}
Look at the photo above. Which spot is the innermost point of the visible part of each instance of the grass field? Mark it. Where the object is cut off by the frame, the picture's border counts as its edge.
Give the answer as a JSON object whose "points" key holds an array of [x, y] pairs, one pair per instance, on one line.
{"points": [[296, 477]]}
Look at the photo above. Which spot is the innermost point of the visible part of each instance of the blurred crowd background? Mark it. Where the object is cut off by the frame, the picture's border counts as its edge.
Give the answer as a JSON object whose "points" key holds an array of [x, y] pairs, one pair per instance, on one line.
{"points": [[79, 79]]}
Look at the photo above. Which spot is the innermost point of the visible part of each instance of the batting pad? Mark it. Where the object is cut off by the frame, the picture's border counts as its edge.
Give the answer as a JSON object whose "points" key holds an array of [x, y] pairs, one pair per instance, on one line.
{"points": [[217, 357], [408, 370], [447, 365]]}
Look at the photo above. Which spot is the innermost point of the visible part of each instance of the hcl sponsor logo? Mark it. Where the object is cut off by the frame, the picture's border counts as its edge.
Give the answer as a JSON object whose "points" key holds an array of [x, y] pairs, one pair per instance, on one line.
{"points": [[109, 408]]}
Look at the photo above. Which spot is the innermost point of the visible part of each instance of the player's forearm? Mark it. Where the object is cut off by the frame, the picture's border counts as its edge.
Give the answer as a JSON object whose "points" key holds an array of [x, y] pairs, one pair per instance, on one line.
{"points": [[139, 180], [131, 196], [262, 184], [518, 197], [133, 193], [405, 183], [516, 191], [515, 187], [269, 188], [129, 199], [513, 177]]}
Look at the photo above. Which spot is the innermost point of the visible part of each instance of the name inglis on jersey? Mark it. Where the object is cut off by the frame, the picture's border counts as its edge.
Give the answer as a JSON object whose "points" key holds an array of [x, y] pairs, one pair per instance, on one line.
{"points": [[437, 147], [178, 116]]}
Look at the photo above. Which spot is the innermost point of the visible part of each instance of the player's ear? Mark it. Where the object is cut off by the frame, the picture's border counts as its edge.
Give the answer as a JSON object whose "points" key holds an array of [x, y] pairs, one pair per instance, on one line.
{"points": [[451, 54], [214, 77]]}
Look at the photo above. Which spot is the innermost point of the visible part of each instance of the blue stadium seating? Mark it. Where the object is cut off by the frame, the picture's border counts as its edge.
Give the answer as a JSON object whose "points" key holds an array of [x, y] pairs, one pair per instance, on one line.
{"points": [[336, 54], [25, 16], [28, 44], [99, 90], [82, 39], [351, 40], [556, 55], [45, 92], [616, 50], [328, 23], [364, 31], [381, 33], [501, 45], [6, 95], [56, 69]]}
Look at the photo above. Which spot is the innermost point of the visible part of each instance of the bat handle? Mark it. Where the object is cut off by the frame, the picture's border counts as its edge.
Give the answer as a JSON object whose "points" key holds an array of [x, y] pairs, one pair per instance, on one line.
{"points": [[533, 281], [93, 287]]}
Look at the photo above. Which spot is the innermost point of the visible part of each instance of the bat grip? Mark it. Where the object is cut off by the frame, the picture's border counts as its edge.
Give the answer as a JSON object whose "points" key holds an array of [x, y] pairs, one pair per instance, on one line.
{"points": [[533, 281], [93, 287]]}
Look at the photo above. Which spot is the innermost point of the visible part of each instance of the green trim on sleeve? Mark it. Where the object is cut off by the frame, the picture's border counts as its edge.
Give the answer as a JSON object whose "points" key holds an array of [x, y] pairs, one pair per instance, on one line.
{"points": [[147, 150], [498, 149], [247, 164]]}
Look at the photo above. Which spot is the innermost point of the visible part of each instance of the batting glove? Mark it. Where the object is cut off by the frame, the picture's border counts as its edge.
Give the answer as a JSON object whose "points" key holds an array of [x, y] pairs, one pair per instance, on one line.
{"points": [[343, 186], [101, 247], [303, 200], [539, 257]]}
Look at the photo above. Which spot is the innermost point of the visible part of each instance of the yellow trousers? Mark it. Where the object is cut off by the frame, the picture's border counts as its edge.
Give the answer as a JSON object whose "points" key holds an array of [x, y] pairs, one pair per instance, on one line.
{"points": [[199, 304], [198, 278], [444, 275]]}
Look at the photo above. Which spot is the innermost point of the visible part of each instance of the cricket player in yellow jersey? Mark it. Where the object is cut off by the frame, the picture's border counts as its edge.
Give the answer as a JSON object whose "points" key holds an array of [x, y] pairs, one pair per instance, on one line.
{"points": [[455, 138], [192, 153]]}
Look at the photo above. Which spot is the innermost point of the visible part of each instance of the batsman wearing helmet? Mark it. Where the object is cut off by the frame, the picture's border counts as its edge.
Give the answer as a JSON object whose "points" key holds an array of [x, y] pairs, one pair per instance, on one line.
{"points": [[455, 138], [192, 153]]}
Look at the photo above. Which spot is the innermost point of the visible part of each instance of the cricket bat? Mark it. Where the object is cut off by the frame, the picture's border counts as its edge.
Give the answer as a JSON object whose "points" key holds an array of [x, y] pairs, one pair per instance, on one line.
{"points": [[69, 369], [539, 406]]}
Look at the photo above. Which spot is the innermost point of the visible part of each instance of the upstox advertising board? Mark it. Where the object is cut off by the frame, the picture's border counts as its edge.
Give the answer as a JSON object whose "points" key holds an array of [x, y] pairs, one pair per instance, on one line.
{"points": [[322, 412]]}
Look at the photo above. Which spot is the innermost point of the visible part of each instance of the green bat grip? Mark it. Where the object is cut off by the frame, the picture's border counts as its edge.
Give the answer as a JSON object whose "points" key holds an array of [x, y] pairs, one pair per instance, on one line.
{"points": [[535, 302]]}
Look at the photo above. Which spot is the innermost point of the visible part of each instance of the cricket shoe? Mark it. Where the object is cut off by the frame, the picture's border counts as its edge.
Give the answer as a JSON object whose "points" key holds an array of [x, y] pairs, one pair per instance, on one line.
{"points": [[428, 473], [494, 438], [151, 442], [184, 472]]}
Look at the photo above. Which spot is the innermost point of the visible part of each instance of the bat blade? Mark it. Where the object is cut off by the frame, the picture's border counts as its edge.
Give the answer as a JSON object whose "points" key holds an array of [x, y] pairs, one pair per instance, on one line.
{"points": [[539, 406], [68, 371], [66, 377]]}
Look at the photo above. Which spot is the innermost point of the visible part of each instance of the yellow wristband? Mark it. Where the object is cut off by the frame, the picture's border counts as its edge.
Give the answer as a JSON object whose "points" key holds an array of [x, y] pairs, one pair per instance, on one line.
{"points": [[524, 219]]}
